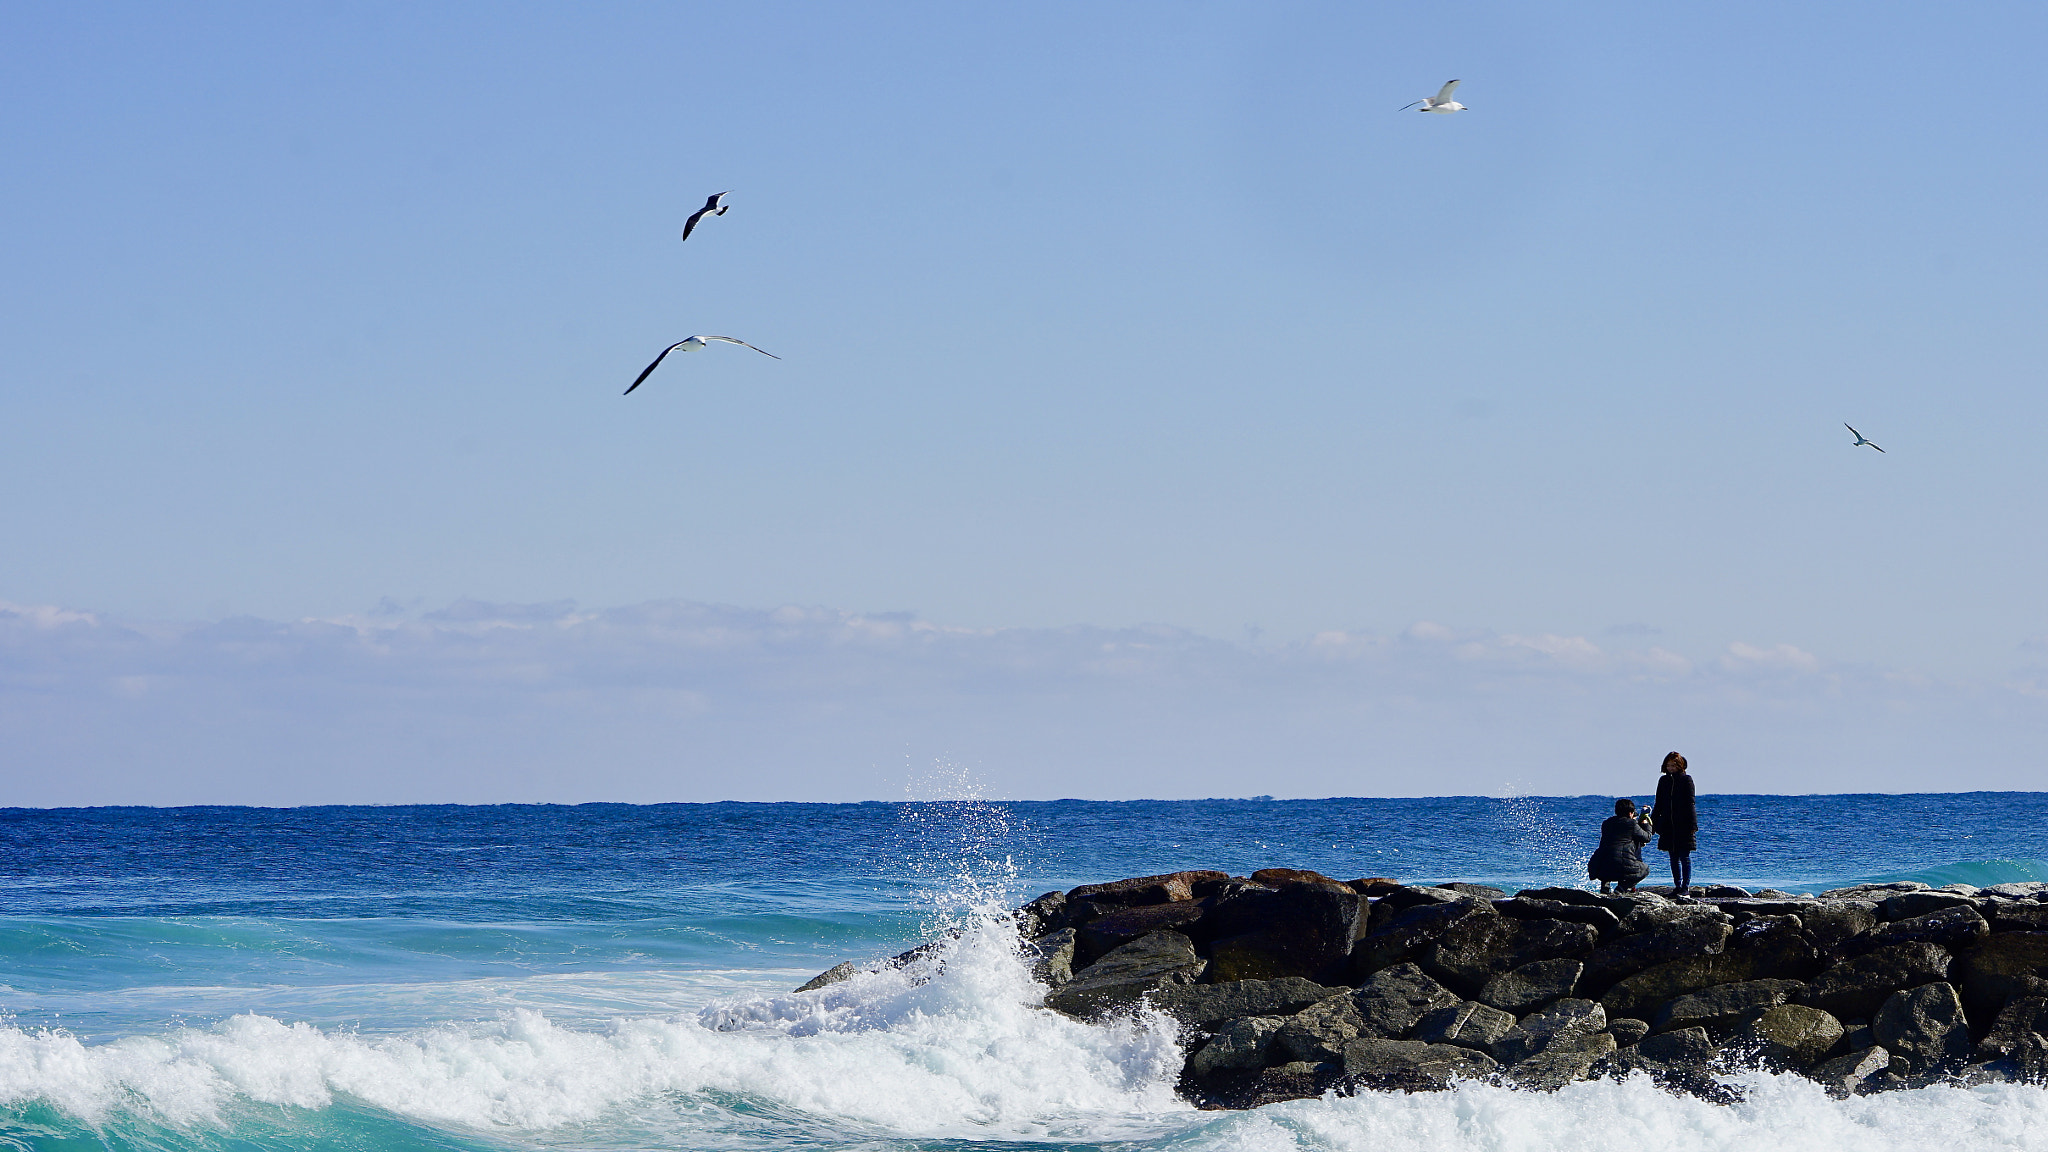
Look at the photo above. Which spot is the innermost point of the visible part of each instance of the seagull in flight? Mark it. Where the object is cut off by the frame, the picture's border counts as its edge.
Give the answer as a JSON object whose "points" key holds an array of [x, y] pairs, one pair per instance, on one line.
{"points": [[713, 206], [1860, 441], [1441, 102], [690, 345]]}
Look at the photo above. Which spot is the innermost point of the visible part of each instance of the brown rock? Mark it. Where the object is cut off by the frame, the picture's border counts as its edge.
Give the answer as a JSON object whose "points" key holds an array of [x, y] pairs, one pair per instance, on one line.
{"points": [[1146, 889]]}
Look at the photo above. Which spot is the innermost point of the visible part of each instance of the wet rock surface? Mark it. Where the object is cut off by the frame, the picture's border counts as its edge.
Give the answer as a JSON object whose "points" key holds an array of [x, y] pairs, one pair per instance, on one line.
{"points": [[1288, 984]]}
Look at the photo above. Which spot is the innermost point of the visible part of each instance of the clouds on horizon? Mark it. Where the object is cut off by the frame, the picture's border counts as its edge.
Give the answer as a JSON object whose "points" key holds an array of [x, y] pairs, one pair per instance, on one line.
{"points": [[675, 700]]}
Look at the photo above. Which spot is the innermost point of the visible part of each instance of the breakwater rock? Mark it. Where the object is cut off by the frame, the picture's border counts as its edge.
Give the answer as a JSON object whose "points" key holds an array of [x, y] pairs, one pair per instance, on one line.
{"points": [[1288, 983]]}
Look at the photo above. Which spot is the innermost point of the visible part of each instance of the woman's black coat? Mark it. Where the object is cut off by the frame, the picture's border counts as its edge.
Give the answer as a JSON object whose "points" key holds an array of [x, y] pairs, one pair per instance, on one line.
{"points": [[1673, 819], [1620, 856]]}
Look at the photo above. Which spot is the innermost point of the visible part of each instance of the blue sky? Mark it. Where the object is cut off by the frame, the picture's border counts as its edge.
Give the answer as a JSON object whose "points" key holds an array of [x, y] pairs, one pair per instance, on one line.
{"points": [[1092, 318]]}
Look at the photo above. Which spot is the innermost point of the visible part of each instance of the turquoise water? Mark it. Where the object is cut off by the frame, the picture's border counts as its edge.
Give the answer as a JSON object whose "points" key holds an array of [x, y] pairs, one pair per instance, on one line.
{"points": [[610, 976]]}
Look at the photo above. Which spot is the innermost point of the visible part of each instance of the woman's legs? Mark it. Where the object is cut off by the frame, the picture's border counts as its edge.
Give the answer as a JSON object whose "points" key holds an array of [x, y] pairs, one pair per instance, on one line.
{"points": [[1681, 871]]}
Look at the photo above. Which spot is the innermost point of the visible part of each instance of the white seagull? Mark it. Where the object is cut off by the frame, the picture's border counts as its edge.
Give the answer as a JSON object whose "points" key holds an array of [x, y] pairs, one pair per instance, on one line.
{"points": [[712, 207], [1860, 441], [1441, 102], [690, 345]]}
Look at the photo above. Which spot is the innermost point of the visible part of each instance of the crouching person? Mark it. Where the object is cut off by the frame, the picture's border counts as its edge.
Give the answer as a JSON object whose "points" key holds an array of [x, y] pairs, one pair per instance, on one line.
{"points": [[1619, 859]]}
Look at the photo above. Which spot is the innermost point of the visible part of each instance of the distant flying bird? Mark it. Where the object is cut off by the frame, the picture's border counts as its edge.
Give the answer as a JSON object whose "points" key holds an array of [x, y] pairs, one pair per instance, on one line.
{"points": [[1441, 102], [690, 345], [711, 207], [1860, 441]]}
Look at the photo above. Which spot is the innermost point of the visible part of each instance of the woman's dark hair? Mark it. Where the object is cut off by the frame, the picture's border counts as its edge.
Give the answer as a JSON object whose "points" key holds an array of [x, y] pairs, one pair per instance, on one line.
{"points": [[1624, 806], [1673, 758]]}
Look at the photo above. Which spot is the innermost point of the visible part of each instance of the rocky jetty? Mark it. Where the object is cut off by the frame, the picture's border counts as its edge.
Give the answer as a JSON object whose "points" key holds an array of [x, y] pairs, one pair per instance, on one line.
{"points": [[1288, 983]]}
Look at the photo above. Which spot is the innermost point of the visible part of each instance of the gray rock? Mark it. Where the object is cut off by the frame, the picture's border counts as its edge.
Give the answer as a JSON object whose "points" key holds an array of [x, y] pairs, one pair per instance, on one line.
{"points": [[1950, 927], [1468, 1024], [2019, 890], [1411, 1065], [1160, 889], [1123, 976], [1206, 1005], [1843, 1075], [1723, 1004], [1409, 932], [1563, 1021], [1907, 905], [1602, 921], [1406, 896], [1320, 1031], [1657, 917], [1628, 1032], [1873, 891], [2015, 915], [1687, 1046], [1858, 987], [1628, 955], [1120, 926], [1791, 1036], [1393, 1000], [2022, 1016], [1480, 948], [1300, 928], [1999, 968], [832, 975], [1532, 985], [1052, 957], [1561, 1062], [1048, 913], [1258, 1087], [1242, 1043], [1837, 921], [1924, 1025], [1642, 994]]}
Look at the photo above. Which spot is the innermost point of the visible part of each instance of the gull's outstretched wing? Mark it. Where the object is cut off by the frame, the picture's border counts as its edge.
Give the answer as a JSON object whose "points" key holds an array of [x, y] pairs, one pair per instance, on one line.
{"points": [[690, 225], [1873, 446], [1446, 93], [1853, 432], [743, 344], [1405, 107], [710, 206], [649, 370]]}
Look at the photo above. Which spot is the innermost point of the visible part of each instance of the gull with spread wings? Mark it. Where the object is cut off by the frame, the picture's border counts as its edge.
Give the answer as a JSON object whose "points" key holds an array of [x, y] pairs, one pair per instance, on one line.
{"points": [[1860, 441], [1441, 102], [690, 345], [713, 206]]}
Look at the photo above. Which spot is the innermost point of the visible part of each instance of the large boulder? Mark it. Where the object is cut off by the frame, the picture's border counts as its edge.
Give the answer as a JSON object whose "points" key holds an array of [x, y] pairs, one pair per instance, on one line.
{"points": [[1641, 995], [1299, 928], [2022, 1016], [1408, 932], [1687, 1047], [1628, 955], [1926, 1026], [1527, 908], [1999, 968], [1120, 926], [1532, 985], [1485, 892], [1658, 917], [1907, 905], [1791, 1036], [1949, 927], [1160, 889], [1257, 1087], [1475, 951], [1052, 957], [1411, 1065], [1856, 988], [1723, 1004], [1205, 1006], [845, 970], [1563, 1021], [1627, 1030], [1843, 1075], [1241, 1043], [1123, 976], [1772, 947], [1561, 1062], [1468, 1024], [2017, 890], [1836, 922], [1393, 1000], [2015, 915], [1048, 913], [1402, 897], [1320, 1031], [1873, 891]]}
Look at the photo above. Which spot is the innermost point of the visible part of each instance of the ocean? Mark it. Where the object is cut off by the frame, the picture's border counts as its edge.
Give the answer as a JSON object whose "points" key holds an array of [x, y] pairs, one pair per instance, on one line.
{"points": [[619, 977]]}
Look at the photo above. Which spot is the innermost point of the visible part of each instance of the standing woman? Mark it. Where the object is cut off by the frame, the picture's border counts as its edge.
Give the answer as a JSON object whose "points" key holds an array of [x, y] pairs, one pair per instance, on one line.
{"points": [[1675, 822]]}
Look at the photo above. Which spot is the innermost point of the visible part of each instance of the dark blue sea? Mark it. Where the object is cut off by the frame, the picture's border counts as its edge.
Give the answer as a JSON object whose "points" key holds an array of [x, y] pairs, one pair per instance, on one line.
{"points": [[615, 977]]}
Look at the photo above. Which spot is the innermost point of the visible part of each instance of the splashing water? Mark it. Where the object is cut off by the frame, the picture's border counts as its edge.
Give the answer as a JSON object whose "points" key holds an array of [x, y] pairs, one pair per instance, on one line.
{"points": [[1557, 850]]}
